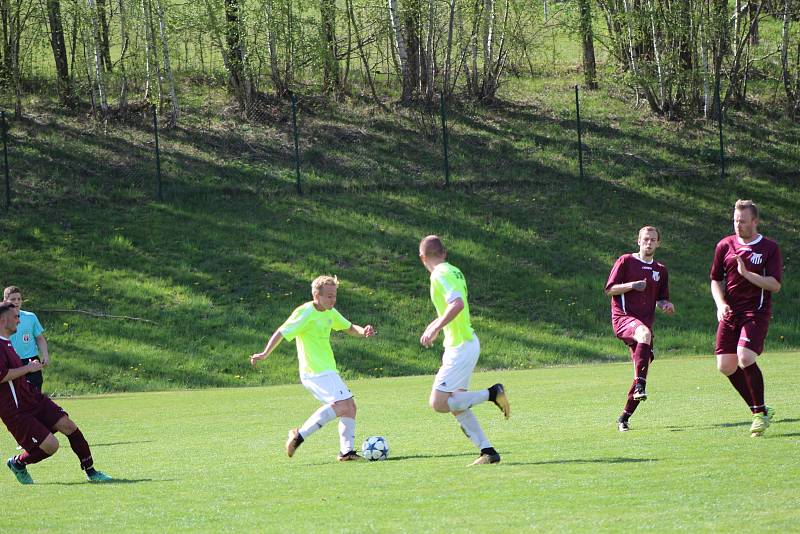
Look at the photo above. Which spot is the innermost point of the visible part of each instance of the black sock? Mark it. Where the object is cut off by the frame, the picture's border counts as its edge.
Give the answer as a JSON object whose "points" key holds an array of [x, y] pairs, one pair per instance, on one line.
{"points": [[488, 450], [90, 471], [492, 394]]}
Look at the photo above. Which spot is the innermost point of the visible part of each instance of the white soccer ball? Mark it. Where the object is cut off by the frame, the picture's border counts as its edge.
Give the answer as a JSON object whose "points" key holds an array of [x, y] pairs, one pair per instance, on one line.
{"points": [[375, 448]]}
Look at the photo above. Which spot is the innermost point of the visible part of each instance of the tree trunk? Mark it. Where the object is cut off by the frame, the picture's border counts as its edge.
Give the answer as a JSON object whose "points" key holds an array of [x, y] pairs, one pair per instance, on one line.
{"points": [[272, 40], [123, 27], [98, 61], [330, 63], [103, 42], [587, 42], [173, 118], [59, 52], [402, 53]]}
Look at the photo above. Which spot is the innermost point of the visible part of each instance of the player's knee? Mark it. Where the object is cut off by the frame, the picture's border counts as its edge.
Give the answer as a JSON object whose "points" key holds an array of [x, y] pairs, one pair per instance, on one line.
{"points": [[49, 445], [643, 335], [727, 368], [345, 408], [439, 405]]}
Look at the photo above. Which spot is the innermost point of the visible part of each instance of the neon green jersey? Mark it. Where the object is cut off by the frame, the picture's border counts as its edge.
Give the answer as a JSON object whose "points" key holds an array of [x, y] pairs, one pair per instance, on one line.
{"points": [[312, 330], [447, 285]]}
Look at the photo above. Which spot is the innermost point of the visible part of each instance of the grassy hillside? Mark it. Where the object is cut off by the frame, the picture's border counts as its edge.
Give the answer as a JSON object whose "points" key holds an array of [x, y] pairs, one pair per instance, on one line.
{"points": [[224, 259]]}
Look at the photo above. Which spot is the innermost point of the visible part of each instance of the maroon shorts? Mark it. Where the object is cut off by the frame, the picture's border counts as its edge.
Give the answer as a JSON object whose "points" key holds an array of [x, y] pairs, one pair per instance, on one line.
{"points": [[625, 329], [31, 428], [744, 330]]}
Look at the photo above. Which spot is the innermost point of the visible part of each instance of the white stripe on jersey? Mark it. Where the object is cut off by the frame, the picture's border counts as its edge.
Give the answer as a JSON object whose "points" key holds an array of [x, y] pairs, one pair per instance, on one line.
{"points": [[622, 298], [13, 392]]}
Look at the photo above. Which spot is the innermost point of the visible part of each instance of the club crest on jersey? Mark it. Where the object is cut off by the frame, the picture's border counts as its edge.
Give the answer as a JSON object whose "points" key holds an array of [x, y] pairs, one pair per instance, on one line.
{"points": [[26, 338], [756, 259], [656, 276]]}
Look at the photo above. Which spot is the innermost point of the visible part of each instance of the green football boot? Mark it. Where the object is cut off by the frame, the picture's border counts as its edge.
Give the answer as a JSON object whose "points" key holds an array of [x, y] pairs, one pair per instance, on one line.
{"points": [[22, 474], [760, 424], [98, 476]]}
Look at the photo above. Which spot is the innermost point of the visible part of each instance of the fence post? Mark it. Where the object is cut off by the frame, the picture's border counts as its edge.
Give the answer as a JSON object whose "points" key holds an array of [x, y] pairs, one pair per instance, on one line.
{"points": [[444, 141], [158, 155], [5, 160], [580, 144], [296, 145], [721, 145]]}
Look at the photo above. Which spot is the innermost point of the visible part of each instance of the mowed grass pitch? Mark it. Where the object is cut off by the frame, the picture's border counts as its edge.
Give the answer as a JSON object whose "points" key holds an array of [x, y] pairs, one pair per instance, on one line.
{"points": [[213, 460]]}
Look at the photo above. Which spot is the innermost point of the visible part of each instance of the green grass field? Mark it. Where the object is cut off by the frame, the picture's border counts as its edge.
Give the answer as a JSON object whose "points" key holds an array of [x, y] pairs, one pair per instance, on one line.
{"points": [[212, 460]]}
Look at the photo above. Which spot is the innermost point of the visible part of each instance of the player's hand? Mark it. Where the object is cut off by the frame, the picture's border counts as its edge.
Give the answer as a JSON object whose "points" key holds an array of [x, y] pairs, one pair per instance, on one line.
{"points": [[667, 307], [429, 336], [639, 285], [254, 359], [369, 331], [741, 266], [45, 360], [723, 312], [33, 366]]}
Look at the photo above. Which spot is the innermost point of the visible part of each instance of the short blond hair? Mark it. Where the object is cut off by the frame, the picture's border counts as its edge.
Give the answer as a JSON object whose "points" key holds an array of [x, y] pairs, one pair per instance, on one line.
{"points": [[650, 229], [432, 246], [746, 205], [322, 281], [10, 290]]}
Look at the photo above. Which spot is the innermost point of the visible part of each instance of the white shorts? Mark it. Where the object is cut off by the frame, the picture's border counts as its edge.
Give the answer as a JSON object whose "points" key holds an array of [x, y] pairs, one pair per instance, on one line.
{"points": [[327, 388], [457, 366]]}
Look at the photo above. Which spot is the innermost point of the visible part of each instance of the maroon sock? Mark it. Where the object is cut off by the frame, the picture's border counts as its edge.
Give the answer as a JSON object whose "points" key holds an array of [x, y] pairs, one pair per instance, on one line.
{"points": [[631, 405], [740, 383], [756, 382], [81, 449], [641, 359], [31, 457]]}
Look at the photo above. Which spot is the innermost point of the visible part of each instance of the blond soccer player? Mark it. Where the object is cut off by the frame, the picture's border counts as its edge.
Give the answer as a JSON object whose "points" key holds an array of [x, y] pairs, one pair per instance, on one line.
{"points": [[310, 325]]}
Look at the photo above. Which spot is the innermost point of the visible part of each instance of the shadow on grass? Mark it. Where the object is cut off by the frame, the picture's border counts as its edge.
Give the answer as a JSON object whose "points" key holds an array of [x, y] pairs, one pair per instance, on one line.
{"points": [[115, 443], [617, 460], [748, 423], [109, 482], [421, 456]]}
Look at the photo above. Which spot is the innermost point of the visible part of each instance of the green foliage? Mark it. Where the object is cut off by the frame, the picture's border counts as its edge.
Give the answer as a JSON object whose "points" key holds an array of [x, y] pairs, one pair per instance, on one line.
{"points": [[209, 461]]}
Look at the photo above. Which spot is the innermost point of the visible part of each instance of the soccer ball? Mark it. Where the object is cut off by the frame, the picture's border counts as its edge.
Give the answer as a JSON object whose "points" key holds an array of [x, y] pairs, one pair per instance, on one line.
{"points": [[375, 448]]}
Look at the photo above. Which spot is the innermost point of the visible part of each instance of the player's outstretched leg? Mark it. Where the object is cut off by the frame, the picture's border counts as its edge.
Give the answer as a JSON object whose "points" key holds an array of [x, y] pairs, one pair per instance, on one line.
{"points": [[472, 429], [497, 394]]}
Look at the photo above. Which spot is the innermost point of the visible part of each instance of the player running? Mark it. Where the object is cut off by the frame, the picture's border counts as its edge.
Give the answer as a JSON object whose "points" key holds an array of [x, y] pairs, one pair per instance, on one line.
{"points": [[311, 325], [461, 350], [637, 285], [30, 416], [746, 271]]}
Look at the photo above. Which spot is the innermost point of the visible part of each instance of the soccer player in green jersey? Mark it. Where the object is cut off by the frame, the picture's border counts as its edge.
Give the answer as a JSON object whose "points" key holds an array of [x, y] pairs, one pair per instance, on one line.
{"points": [[310, 325], [461, 350]]}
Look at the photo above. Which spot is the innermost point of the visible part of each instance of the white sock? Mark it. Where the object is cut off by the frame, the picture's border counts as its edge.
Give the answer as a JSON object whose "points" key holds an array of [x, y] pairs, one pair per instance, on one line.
{"points": [[472, 428], [347, 434], [462, 400], [317, 420]]}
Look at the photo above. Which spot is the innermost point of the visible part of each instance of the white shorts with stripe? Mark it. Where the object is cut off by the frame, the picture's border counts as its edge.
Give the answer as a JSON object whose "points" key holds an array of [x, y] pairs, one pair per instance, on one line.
{"points": [[327, 387], [458, 363]]}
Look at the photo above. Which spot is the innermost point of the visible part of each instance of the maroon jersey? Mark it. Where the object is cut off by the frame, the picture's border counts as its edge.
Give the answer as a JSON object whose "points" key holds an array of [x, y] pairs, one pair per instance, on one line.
{"points": [[638, 304], [761, 256], [15, 395]]}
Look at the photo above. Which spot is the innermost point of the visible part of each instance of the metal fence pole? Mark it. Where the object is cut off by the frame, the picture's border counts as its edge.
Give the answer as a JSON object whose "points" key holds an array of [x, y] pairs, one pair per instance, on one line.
{"points": [[5, 160], [580, 144], [296, 145], [444, 141], [158, 156], [721, 145]]}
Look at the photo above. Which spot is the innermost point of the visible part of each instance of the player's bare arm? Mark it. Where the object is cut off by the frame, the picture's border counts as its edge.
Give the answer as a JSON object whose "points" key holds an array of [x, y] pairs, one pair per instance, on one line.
{"points": [[44, 353], [13, 374], [436, 326], [619, 289], [718, 292], [666, 306], [361, 331], [768, 283], [273, 342]]}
